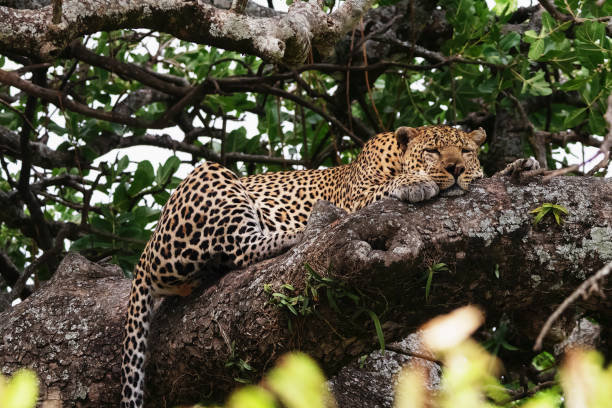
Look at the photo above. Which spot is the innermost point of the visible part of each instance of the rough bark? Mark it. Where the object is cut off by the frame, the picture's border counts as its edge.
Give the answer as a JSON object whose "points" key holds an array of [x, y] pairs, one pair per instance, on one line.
{"points": [[70, 331], [287, 38]]}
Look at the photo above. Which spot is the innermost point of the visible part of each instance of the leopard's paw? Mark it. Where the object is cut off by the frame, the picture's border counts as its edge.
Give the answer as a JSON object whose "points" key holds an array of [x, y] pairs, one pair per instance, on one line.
{"points": [[519, 166], [421, 191]]}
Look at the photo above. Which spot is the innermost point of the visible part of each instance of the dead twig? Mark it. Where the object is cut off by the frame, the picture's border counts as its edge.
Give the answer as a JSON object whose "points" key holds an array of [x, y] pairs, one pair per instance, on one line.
{"points": [[585, 289]]}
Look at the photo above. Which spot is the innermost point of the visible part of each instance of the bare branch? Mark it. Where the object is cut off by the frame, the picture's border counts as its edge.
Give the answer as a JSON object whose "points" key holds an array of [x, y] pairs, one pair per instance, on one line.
{"points": [[556, 14], [585, 289], [11, 273]]}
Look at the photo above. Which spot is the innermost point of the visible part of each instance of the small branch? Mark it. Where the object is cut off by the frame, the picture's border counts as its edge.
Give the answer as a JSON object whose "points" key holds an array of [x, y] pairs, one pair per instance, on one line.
{"points": [[404, 352], [287, 95], [126, 70], [61, 101], [43, 236], [527, 393], [552, 10], [560, 172], [200, 151], [585, 289], [564, 137], [70, 204], [536, 142]]}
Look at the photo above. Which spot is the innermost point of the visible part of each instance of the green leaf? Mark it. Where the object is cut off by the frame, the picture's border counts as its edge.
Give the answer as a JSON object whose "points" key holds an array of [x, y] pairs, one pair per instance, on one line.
{"points": [[378, 327], [575, 117], [540, 215], [332, 301], [161, 198], [143, 177], [531, 36], [121, 196], [509, 41], [123, 163], [428, 283], [543, 361], [166, 171], [536, 49], [509, 346], [503, 7], [574, 84], [592, 32], [596, 123], [537, 85]]}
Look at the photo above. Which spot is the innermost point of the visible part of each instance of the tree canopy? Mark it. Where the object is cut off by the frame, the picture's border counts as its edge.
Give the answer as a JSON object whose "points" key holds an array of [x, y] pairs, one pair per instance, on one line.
{"points": [[82, 81]]}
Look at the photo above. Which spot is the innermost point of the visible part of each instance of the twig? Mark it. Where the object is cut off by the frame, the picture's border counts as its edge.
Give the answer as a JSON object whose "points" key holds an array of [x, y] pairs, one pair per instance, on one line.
{"points": [[534, 139], [367, 79], [556, 14], [585, 289], [527, 393], [422, 356], [559, 172]]}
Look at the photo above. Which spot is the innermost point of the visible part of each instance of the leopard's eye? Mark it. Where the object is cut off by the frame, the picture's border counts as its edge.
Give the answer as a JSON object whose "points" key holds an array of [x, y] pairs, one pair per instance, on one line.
{"points": [[432, 151], [465, 151]]}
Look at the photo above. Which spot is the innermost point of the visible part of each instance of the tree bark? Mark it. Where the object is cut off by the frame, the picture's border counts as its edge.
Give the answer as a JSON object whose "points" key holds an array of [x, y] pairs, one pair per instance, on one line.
{"points": [[284, 38], [70, 330]]}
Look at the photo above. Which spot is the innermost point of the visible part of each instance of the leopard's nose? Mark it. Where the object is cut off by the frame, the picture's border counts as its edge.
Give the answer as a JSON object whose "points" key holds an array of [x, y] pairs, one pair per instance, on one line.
{"points": [[456, 169]]}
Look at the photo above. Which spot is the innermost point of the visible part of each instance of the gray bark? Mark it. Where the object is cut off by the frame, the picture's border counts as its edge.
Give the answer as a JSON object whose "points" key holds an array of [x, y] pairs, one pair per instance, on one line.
{"points": [[283, 38], [70, 330]]}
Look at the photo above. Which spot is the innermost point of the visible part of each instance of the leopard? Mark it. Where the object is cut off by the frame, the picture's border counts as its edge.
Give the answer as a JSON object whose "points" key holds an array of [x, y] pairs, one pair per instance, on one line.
{"points": [[215, 221]]}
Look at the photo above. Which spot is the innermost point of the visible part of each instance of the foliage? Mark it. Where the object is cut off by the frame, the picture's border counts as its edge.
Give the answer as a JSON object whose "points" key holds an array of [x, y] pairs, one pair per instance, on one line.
{"points": [[498, 340], [438, 267], [20, 391], [469, 377], [244, 368], [557, 211], [345, 301]]}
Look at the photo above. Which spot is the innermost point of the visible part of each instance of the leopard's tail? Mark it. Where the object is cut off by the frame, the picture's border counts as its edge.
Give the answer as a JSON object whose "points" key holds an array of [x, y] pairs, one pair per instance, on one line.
{"points": [[135, 341]]}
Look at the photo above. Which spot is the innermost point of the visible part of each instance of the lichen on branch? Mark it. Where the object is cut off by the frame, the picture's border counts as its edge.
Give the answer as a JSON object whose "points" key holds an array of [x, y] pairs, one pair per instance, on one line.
{"points": [[284, 38]]}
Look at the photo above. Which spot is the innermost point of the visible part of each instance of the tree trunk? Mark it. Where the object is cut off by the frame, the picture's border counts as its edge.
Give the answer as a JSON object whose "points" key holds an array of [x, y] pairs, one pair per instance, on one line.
{"points": [[70, 330]]}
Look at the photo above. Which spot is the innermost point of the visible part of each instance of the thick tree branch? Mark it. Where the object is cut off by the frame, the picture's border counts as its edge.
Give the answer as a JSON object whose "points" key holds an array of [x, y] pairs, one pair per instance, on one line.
{"points": [[41, 154], [43, 235], [286, 38], [383, 250], [10, 273]]}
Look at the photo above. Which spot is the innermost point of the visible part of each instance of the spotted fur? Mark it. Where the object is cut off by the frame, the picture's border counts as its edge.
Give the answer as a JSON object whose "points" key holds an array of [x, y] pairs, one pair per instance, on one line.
{"points": [[215, 221]]}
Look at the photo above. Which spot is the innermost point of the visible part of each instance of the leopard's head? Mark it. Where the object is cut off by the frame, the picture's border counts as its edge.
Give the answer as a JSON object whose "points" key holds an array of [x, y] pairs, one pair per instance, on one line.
{"points": [[448, 155]]}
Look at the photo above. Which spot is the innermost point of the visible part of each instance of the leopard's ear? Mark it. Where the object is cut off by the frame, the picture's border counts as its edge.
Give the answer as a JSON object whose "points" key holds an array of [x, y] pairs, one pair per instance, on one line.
{"points": [[478, 136], [404, 135]]}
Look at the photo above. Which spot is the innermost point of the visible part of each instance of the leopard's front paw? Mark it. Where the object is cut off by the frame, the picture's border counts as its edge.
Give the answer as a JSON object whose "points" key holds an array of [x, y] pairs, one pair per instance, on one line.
{"points": [[421, 191], [519, 166]]}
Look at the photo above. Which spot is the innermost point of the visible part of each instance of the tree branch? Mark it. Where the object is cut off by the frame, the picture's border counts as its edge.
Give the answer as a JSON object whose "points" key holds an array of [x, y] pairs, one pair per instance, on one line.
{"points": [[384, 250], [287, 38]]}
